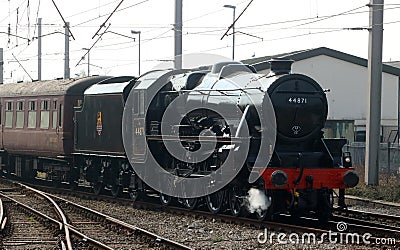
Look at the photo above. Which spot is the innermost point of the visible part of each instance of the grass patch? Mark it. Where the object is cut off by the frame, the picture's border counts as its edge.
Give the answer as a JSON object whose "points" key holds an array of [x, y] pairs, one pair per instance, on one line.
{"points": [[388, 188], [31, 219]]}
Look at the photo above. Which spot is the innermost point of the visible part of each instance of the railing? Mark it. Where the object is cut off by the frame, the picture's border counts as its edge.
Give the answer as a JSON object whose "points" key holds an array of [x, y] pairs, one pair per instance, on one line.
{"points": [[389, 156]]}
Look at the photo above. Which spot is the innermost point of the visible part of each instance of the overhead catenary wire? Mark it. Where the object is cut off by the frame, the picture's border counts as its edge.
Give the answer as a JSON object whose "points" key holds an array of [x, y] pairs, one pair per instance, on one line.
{"points": [[93, 44], [275, 39], [28, 13], [65, 23], [95, 18], [230, 27], [211, 32], [108, 18], [22, 67], [9, 11], [37, 18], [91, 9]]}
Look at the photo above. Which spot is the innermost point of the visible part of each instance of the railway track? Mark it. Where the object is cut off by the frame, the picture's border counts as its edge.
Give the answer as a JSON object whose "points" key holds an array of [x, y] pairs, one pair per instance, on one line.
{"points": [[354, 200], [117, 234], [27, 227], [283, 223], [373, 217], [73, 226]]}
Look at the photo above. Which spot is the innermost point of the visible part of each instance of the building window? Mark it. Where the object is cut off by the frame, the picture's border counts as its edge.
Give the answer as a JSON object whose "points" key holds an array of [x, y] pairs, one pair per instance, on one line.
{"points": [[20, 115], [9, 114], [32, 114]]}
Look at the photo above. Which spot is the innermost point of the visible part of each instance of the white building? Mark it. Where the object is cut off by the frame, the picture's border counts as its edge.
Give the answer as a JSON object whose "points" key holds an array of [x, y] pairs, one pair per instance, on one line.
{"points": [[346, 76]]}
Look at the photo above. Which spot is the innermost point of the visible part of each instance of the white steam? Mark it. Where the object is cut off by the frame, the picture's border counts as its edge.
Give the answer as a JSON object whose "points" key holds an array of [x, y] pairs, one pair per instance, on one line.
{"points": [[257, 201]]}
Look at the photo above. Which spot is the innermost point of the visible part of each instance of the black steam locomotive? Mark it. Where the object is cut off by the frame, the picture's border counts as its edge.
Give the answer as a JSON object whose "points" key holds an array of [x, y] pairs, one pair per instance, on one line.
{"points": [[244, 133]]}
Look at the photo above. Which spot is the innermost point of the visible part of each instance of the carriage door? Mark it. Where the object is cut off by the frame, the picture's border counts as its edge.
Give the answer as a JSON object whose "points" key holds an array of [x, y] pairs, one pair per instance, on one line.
{"points": [[1, 126], [57, 121], [139, 127]]}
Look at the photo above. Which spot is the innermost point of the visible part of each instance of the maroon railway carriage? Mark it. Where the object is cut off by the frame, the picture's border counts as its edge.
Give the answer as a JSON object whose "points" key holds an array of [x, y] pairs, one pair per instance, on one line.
{"points": [[36, 137]]}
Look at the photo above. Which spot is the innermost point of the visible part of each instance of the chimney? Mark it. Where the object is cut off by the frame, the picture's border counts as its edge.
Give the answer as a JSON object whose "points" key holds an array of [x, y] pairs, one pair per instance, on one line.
{"points": [[281, 66]]}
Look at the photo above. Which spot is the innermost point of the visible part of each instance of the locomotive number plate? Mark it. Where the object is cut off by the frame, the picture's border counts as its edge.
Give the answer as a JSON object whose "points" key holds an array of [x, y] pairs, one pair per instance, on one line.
{"points": [[297, 100]]}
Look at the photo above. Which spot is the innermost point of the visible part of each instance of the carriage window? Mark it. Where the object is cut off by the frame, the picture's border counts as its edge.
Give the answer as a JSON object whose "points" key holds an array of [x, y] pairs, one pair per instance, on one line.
{"points": [[54, 107], [44, 105], [54, 119], [32, 105], [44, 114], [20, 115], [44, 119], [9, 115], [32, 114], [9, 106], [20, 106], [79, 103], [60, 118]]}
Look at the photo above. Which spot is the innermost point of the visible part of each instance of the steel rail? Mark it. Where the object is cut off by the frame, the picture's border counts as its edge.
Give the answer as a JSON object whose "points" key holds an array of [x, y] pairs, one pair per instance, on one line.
{"points": [[67, 227], [59, 212], [295, 226], [126, 226], [374, 202], [356, 212], [3, 219], [368, 223], [34, 211], [63, 224]]}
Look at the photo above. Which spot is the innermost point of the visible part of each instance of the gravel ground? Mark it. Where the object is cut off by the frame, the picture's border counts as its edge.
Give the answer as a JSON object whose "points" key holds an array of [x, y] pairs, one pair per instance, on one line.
{"points": [[198, 233]]}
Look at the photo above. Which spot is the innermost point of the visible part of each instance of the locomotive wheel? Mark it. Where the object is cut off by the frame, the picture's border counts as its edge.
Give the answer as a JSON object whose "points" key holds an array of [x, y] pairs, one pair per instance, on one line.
{"points": [[165, 199], [73, 185], [116, 190], [98, 188], [262, 215], [189, 203], [214, 201], [235, 204], [134, 194], [324, 212]]}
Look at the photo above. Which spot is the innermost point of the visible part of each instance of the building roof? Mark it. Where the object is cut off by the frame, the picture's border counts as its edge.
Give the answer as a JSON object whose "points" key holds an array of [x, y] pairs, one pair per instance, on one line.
{"points": [[49, 87], [261, 63], [394, 64]]}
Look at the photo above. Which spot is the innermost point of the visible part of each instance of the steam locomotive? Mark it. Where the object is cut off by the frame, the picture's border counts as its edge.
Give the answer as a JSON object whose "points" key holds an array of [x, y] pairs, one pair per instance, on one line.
{"points": [[241, 132]]}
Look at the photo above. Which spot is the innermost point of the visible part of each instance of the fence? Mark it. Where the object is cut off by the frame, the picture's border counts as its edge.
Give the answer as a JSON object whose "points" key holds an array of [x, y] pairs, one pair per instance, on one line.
{"points": [[389, 156]]}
